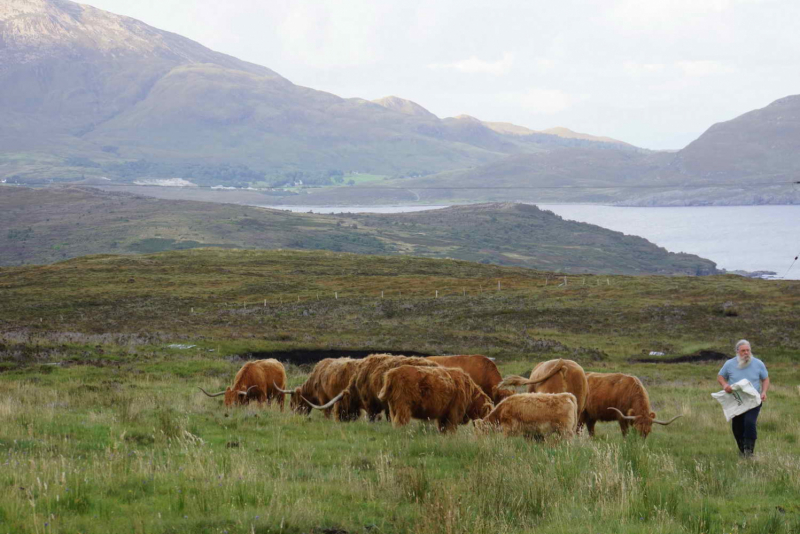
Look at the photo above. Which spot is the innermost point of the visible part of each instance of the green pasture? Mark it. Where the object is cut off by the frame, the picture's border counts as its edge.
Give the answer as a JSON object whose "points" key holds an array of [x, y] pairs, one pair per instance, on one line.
{"points": [[102, 428]]}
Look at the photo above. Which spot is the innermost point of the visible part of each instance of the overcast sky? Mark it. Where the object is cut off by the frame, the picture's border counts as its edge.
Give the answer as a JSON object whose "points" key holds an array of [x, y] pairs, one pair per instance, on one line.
{"points": [[655, 73]]}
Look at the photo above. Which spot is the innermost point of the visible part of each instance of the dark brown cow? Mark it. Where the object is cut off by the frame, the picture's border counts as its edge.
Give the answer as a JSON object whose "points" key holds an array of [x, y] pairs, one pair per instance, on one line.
{"points": [[256, 380], [481, 369], [534, 415], [555, 376], [328, 378], [447, 395], [365, 384], [622, 398]]}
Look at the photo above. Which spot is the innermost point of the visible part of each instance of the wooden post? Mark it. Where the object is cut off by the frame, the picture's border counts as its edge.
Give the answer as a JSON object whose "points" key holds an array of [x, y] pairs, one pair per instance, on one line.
{"points": [[265, 303], [498, 285], [381, 294], [607, 282], [192, 310], [437, 294], [336, 294], [464, 290], [546, 279], [298, 298], [565, 281]]}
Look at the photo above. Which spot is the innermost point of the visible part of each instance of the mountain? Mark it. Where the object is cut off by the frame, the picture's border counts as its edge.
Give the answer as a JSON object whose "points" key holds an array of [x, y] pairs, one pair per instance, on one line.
{"points": [[84, 92], [751, 159], [52, 224], [406, 107], [760, 145], [566, 133]]}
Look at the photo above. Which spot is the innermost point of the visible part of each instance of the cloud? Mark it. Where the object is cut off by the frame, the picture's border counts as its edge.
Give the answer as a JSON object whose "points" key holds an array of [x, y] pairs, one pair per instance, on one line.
{"points": [[688, 69], [696, 69], [546, 101], [475, 65]]}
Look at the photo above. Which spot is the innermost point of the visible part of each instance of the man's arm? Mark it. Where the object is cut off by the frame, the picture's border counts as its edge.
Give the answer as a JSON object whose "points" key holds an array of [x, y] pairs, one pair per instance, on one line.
{"points": [[764, 388], [725, 385]]}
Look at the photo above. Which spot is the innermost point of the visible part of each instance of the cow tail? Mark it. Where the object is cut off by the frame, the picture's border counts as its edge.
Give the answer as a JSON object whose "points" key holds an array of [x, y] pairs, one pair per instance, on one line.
{"points": [[386, 391], [513, 381], [557, 368]]}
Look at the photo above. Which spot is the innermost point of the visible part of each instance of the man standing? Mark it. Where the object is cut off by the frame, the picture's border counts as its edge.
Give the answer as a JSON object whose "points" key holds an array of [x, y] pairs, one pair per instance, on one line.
{"points": [[745, 365]]}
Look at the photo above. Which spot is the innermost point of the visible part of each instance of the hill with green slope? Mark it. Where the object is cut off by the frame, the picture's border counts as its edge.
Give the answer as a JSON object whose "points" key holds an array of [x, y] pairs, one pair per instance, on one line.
{"points": [[54, 224], [85, 92]]}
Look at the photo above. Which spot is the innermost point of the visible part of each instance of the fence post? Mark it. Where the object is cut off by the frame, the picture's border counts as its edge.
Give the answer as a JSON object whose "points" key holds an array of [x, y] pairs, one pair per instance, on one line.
{"points": [[437, 294], [464, 291], [381, 294], [565, 281], [336, 294], [265, 303], [498, 285], [607, 282]]}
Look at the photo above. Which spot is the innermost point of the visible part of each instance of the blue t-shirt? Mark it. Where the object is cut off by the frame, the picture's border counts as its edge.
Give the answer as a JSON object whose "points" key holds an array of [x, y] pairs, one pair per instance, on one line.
{"points": [[755, 372]]}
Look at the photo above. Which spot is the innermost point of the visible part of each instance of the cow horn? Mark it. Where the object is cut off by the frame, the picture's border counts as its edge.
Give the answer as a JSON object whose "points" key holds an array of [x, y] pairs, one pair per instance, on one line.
{"points": [[209, 394], [668, 422], [628, 417], [326, 405], [289, 391], [247, 392]]}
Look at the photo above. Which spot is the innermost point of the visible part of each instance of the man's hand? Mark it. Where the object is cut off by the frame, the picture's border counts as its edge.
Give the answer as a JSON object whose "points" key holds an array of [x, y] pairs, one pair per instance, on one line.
{"points": [[729, 389], [763, 396]]}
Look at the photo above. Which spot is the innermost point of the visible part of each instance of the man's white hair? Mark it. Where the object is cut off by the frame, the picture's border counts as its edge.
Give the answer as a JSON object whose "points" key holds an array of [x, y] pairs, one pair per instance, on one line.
{"points": [[740, 343]]}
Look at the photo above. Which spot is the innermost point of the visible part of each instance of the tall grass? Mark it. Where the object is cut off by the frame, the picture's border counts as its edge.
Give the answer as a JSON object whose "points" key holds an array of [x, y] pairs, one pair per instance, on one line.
{"points": [[81, 454]]}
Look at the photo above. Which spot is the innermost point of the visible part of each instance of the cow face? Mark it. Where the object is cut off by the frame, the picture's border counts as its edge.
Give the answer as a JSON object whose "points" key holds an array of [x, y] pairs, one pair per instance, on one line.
{"points": [[644, 423], [231, 397], [297, 405], [235, 397], [347, 408], [480, 407]]}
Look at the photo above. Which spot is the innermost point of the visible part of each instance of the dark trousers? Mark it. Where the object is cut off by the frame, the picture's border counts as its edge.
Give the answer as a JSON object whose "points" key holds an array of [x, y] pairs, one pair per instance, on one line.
{"points": [[744, 425]]}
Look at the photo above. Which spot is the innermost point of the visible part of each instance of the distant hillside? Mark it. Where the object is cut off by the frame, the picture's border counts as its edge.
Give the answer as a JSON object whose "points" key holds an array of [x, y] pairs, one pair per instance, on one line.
{"points": [[566, 133], [42, 226], [87, 93]]}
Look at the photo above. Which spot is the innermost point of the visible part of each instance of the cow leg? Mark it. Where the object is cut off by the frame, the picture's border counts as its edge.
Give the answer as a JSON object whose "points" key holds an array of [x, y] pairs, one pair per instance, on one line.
{"points": [[399, 416], [281, 399], [590, 426], [623, 426], [450, 421]]}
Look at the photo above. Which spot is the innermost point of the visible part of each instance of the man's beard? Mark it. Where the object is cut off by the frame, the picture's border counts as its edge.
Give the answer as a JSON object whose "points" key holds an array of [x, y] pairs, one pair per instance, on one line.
{"points": [[741, 363]]}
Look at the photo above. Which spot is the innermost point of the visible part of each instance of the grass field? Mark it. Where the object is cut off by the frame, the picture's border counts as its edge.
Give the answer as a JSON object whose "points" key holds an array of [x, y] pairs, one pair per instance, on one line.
{"points": [[103, 429]]}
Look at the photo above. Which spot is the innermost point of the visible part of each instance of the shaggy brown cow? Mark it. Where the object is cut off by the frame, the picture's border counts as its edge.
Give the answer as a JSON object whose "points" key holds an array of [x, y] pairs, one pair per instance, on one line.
{"points": [[480, 369], [534, 415], [447, 395], [555, 376], [255, 381], [622, 398], [328, 378], [365, 384]]}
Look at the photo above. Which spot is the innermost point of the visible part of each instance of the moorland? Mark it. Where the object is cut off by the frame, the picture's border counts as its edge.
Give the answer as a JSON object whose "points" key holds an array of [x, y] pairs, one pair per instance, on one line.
{"points": [[103, 429], [44, 225]]}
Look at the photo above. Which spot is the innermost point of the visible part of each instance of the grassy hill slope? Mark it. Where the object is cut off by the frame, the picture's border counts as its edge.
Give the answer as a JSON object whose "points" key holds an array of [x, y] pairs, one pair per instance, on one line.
{"points": [[51, 224]]}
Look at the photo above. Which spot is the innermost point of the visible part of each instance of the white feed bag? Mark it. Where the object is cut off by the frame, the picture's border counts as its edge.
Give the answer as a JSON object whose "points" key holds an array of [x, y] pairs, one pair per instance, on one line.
{"points": [[743, 397]]}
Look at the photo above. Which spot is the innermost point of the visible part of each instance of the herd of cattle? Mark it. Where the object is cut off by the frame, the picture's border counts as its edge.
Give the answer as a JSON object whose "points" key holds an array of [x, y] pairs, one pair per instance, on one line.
{"points": [[454, 390]]}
